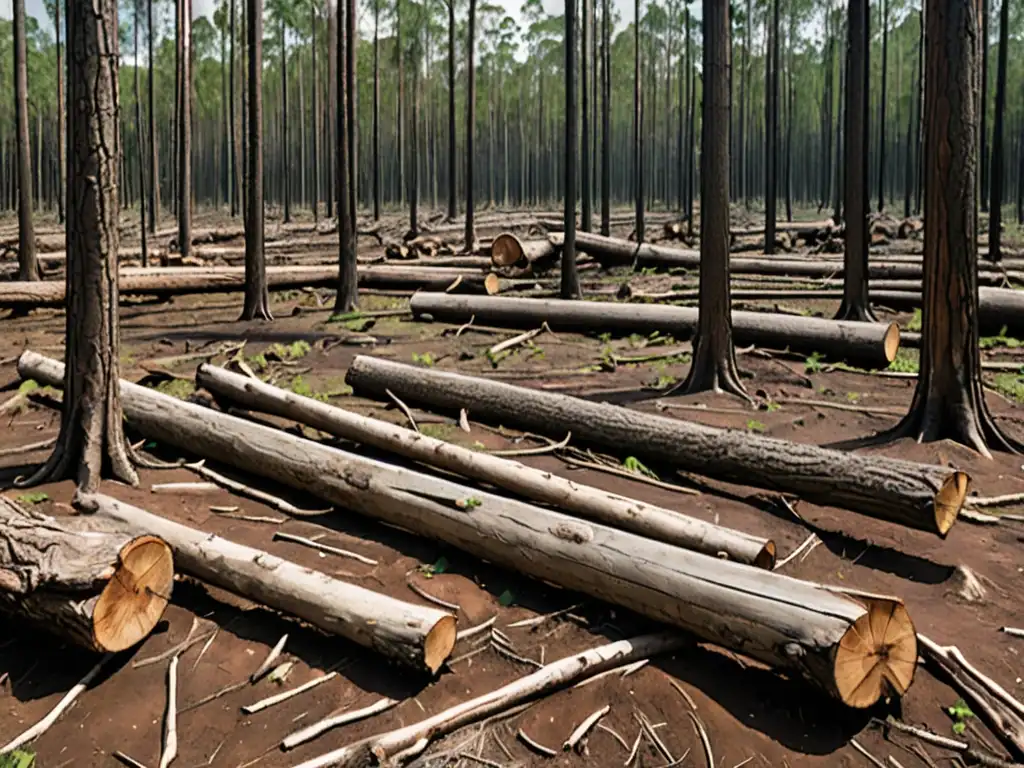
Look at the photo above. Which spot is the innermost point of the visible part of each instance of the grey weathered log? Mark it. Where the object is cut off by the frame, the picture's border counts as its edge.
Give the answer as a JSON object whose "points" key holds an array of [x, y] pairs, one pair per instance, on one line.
{"points": [[870, 345], [92, 582], [417, 636], [917, 495], [507, 250], [531, 483], [783, 622]]}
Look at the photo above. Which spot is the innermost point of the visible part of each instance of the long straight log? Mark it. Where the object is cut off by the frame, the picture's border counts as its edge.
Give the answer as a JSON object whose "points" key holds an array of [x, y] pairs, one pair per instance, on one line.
{"points": [[856, 650], [88, 581], [917, 495], [507, 250], [417, 636], [871, 345], [535, 484]]}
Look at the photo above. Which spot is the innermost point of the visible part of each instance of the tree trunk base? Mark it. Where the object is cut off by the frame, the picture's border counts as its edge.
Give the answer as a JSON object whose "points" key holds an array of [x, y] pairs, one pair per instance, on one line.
{"points": [[856, 311], [712, 373]]}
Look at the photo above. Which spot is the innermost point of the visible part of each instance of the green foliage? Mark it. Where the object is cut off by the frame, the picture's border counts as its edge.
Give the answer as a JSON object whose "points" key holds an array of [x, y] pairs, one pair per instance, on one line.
{"points": [[425, 359], [258, 362], [1010, 385], [633, 464], [27, 386], [179, 388], [35, 497], [753, 425], [469, 503], [1000, 340], [19, 758], [813, 363], [914, 324], [960, 713], [853, 397], [771, 406], [294, 351], [506, 598], [662, 382], [905, 362], [440, 566]]}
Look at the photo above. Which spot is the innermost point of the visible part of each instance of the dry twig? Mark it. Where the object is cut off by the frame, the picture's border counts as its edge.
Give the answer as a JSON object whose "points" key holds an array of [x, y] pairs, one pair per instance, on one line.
{"points": [[534, 745], [268, 662], [704, 739], [169, 750], [272, 700], [431, 599], [310, 732], [576, 737], [404, 409], [281, 535]]}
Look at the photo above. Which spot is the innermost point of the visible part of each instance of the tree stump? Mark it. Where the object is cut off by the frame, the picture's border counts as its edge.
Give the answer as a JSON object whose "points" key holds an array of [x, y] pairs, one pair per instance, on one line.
{"points": [[82, 578]]}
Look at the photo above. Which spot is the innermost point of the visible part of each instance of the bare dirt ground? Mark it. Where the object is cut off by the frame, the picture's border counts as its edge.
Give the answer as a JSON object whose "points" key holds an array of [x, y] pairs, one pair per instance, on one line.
{"points": [[753, 716]]}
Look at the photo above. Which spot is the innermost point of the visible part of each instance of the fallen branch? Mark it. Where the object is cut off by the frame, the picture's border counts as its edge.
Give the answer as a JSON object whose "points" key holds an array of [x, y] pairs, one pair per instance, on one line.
{"points": [[28, 448], [310, 732], [268, 662], [272, 700], [322, 547], [169, 750], [573, 742], [253, 493]]}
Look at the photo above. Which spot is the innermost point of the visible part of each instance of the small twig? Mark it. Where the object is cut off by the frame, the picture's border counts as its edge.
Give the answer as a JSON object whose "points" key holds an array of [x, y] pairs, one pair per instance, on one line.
{"points": [[467, 655], [477, 759], [894, 762], [869, 410], [682, 692], [796, 552], [272, 700], [312, 731], [176, 650], [636, 748], [535, 746], [28, 448], [255, 518], [551, 447], [538, 620], [270, 500], [215, 695], [1007, 500], [918, 750], [169, 750], [509, 654], [403, 408], [205, 648], [703, 733], [471, 631], [1012, 631], [573, 742], [870, 758], [515, 341], [322, 547], [645, 724], [464, 326], [431, 599], [186, 488], [268, 662], [614, 734], [131, 762], [68, 699], [634, 667], [810, 549], [631, 475]]}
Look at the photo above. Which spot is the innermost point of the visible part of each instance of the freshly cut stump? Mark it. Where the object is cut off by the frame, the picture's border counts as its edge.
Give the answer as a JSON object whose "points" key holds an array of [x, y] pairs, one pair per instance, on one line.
{"points": [[85, 579]]}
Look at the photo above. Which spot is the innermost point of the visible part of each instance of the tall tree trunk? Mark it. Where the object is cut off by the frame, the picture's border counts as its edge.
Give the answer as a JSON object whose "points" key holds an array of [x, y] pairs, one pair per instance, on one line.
{"points": [[882, 105], [138, 134], [453, 208], [638, 127], [61, 115], [741, 144], [91, 440], [606, 122], [233, 149], [790, 114], [400, 127], [347, 297], [414, 155], [28, 265], [285, 154], [470, 122], [912, 121], [376, 110], [983, 107], [919, 133], [185, 135], [772, 130], [570, 283], [334, 46], [691, 131], [855, 304], [314, 115], [949, 401], [586, 180], [154, 157], [839, 186], [714, 358], [257, 295], [225, 170], [995, 216]]}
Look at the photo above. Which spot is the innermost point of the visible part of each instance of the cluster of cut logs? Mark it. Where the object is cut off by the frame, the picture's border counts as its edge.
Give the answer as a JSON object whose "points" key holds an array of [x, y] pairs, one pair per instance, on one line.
{"points": [[675, 568]]}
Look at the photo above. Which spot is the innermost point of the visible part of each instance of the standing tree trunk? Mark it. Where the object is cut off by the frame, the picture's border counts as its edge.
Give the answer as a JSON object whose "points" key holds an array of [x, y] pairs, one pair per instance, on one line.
{"points": [[91, 440], [714, 359], [881, 106], [332, 106], [351, 41], [28, 265], [690, 140], [233, 149], [185, 134], [376, 110], [790, 114], [61, 116], [771, 131], [983, 106], [638, 128], [586, 212], [855, 304], [606, 122], [314, 116], [138, 133], [570, 285], [347, 297], [995, 216], [286, 175], [400, 126], [949, 401], [225, 170], [912, 121], [154, 159], [470, 123], [741, 144], [414, 166], [453, 208], [257, 295]]}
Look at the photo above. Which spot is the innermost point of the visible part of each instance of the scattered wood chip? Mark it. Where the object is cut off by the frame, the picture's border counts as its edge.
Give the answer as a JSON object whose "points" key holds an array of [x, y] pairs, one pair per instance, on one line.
{"points": [[534, 745], [270, 701], [463, 420], [431, 599], [280, 535], [268, 662], [310, 732], [575, 740], [169, 749]]}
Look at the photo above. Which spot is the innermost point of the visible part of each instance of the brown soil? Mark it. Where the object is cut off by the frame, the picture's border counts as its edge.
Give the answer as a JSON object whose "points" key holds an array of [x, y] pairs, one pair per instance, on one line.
{"points": [[750, 713]]}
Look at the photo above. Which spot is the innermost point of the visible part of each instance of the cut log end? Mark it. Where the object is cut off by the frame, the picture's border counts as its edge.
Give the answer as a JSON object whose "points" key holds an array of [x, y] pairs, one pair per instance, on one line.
{"points": [[766, 557], [492, 284], [877, 655], [439, 643], [891, 342], [950, 500], [136, 595], [506, 251]]}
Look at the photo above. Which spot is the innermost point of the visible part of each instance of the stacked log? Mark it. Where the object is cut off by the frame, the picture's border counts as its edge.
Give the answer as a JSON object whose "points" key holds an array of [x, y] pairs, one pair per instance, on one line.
{"points": [[857, 650]]}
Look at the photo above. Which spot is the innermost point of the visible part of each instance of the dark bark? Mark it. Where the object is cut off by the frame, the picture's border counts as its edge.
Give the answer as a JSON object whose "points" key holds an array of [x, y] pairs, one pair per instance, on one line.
{"points": [[352, 137], [919, 133], [286, 174], [347, 297], [257, 295], [741, 143], [790, 114], [949, 399], [638, 127], [714, 358], [771, 130], [453, 207], [470, 123], [983, 107], [225, 170], [606, 108], [570, 284], [882, 105], [691, 98], [315, 114], [185, 133], [909, 154], [586, 180], [995, 217], [91, 441], [138, 133], [61, 114], [414, 155], [233, 150], [855, 305], [28, 265], [376, 110], [333, 48]]}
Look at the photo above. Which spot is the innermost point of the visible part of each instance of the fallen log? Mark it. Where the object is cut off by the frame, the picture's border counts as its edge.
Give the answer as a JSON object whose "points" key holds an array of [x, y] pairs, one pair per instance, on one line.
{"points": [[81, 579], [917, 495], [870, 345], [417, 636], [829, 639], [528, 482], [507, 250]]}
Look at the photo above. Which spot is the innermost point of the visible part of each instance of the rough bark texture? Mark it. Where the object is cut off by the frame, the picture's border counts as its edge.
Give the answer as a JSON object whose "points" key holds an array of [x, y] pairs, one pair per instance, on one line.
{"points": [[185, 133], [82, 579], [91, 439], [570, 287], [799, 627], [507, 250], [638, 126], [918, 495], [28, 267], [855, 305], [417, 636], [154, 163], [257, 296], [771, 105], [528, 482], [62, 119], [714, 359], [995, 218], [347, 297], [470, 239], [949, 401], [870, 346]]}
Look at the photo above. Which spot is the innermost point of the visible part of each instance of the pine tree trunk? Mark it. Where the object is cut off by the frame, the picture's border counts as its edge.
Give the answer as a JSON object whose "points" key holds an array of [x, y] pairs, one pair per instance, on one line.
{"points": [[414, 166], [741, 143], [606, 124], [912, 121], [790, 115], [470, 238], [347, 297], [138, 134], [257, 294], [882, 105], [314, 115], [225, 169], [983, 107], [995, 217], [185, 134], [333, 47], [772, 130], [453, 208], [28, 266], [586, 212], [570, 283], [638, 128], [351, 43], [376, 110], [62, 116], [285, 175]]}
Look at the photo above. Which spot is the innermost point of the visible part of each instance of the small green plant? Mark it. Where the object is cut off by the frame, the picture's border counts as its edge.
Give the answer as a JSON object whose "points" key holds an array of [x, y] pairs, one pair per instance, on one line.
{"points": [[1010, 385], [636, 340], [258, 362], [19, 758], [470, 503], [771, 406], [853, 397], [293, 351], [425, 359], [914, 324], [905, 363], [605, 338], [753, 425], [35, 497], [813, 363], [439, 566], [633, 464], [663, 382], [28, 386], [507, 598], [960, 713], [1000, 340], [178, 388]]}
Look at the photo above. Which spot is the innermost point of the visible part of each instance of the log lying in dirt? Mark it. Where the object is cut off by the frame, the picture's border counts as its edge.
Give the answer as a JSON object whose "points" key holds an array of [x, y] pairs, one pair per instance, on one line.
{"points": [[417, 636], [856, 651], [82, 579], [917, 495], [528, 482], [507, 250], [176, 281], [825, 225], [871, 345]]}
